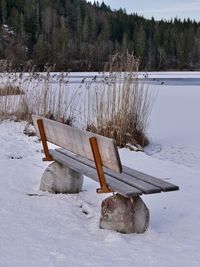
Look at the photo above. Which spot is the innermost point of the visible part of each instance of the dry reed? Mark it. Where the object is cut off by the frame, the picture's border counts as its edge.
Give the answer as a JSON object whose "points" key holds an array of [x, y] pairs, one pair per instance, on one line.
{"points": [[120, 106], [117, 106], [45, 94]]}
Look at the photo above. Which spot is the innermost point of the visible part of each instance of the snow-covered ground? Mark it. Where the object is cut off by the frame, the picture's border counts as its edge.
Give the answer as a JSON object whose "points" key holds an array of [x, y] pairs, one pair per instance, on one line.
{"points": [[174, 127], [42, 229]]}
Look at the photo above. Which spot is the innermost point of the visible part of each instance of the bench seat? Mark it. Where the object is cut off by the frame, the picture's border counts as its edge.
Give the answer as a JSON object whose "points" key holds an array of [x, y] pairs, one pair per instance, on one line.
{"points": [[129, 182]]}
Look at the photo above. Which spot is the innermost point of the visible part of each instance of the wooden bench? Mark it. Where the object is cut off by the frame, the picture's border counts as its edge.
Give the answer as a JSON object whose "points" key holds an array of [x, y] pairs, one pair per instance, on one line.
{"points": [[96, 157]]}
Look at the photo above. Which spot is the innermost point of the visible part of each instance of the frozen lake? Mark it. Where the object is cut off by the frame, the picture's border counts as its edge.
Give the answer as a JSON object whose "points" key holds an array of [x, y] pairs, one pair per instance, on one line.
{"points": [[171, 78], [156, 78], [174, 125], [173, 81]]}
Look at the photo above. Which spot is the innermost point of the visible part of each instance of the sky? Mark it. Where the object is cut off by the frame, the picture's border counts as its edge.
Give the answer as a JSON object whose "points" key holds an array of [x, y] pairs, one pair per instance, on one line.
{"points": [[159, 9]]}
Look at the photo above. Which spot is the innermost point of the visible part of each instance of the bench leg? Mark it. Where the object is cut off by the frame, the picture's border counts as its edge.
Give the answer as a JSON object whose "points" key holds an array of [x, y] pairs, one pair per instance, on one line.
{"points": [[124, 215], [58, 178], [48, 157], [99, 166]]}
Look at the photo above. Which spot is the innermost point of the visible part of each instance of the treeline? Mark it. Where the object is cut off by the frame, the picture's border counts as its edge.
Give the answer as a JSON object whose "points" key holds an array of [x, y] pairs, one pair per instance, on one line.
{"points": [[74, 34]]}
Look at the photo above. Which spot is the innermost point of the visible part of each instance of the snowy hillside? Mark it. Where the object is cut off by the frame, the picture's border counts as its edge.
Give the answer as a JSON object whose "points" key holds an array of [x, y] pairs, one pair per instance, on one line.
{"points": [[42, 229]]}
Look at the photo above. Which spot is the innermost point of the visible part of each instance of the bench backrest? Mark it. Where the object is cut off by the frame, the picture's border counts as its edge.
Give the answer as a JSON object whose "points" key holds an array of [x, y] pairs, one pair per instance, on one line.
{"points": [[77, 141]]}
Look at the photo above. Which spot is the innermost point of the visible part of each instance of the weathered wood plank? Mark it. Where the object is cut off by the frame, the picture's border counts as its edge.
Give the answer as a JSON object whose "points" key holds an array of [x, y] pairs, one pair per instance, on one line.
{"points": [[120, 187], [144, 186], [129, 175], [77, 141], [164, 186]]}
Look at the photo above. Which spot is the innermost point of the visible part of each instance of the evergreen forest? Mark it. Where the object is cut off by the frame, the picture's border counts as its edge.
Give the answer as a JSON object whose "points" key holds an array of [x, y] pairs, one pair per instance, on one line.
{"points": [[80, 36]]}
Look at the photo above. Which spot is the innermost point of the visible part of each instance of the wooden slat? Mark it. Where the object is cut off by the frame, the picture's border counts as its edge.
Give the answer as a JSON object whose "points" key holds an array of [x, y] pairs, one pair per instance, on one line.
{"points": [[164, 186], [144, 186], [77, 141], [120, 187], [133, 177]]}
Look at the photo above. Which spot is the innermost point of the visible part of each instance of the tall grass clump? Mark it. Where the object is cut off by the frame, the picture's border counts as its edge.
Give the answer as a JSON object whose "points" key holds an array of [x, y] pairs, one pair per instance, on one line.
{"points": [[43, 93], [121, 105]]}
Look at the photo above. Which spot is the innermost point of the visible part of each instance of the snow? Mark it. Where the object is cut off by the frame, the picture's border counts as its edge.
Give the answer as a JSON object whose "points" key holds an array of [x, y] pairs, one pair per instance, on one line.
{"points": [[41, 229], [174, 125]]}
